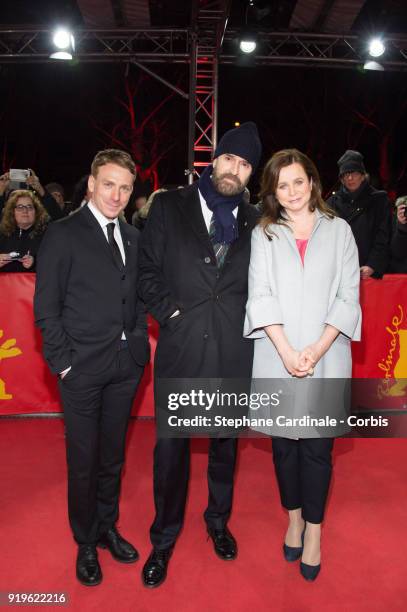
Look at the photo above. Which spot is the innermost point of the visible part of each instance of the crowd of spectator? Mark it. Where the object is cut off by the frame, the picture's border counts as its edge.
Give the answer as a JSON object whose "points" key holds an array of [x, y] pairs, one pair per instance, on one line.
{"points": [[379, 228]]}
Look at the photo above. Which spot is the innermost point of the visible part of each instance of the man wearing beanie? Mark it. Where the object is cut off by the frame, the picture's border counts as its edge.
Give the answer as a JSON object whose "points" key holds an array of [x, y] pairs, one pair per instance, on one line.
{"points": [[195, 253], [367, 210]]}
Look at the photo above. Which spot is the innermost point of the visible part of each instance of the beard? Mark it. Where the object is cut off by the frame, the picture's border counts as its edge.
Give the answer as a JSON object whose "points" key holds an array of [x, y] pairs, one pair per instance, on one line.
{"points": [[226, 187]]}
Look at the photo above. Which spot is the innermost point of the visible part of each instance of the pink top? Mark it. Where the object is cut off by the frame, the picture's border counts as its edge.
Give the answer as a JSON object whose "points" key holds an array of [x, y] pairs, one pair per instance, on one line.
{"points": [[302, 247]]}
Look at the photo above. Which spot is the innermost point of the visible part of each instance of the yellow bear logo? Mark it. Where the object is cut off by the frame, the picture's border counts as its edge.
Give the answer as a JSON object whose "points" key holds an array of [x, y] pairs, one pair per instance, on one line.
{"points": [[7, 350]]}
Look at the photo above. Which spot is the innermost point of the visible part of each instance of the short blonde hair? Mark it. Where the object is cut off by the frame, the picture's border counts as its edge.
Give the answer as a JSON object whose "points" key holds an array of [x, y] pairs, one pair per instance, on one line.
{"points": [[113, 156]]}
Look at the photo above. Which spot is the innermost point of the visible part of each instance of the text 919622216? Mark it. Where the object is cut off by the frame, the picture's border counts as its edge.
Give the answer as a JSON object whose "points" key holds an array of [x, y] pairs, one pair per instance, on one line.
{"points": [[28, 598]]}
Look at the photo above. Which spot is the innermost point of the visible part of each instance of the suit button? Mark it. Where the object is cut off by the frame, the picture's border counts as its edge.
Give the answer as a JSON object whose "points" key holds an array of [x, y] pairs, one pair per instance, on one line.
{"points": [[124, 277], [206, 336], [207, 260], [123, 300]]}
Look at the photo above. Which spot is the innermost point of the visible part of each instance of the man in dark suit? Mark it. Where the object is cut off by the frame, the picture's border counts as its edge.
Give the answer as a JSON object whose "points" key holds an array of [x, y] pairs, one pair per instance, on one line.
{"points": [[194, 260], [95, 339]]}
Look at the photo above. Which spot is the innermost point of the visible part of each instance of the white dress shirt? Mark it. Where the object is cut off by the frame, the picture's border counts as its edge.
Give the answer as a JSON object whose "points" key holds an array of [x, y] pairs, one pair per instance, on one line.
{"points": [[104, 222]]}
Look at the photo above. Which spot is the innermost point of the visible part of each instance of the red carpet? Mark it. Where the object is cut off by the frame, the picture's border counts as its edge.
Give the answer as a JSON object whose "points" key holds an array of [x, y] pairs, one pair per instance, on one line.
{"points": [[364, 538]]}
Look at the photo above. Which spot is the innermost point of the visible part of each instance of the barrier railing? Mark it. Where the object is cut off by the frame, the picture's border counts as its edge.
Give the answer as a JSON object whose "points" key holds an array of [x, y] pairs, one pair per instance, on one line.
{"points": [[27, 387]]}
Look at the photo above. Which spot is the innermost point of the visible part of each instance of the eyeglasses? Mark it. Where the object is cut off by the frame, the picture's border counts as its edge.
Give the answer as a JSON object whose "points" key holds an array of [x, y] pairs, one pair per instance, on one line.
{"points": [[26, 207]]}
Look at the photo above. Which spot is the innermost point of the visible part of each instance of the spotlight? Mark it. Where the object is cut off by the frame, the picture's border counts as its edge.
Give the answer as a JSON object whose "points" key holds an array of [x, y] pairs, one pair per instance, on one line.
{"points": [[372, 66], [65, 41], [247, 41], [376, 47]]}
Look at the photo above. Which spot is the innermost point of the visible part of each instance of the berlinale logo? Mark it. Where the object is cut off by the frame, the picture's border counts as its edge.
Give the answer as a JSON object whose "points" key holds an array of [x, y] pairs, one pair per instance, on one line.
{"points": [[7, 350], [395, 367]]}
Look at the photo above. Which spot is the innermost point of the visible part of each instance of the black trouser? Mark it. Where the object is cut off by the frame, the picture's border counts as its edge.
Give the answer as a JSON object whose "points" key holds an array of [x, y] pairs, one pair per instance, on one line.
{"points": [[171, 475], [97, 410], [303, 469]]}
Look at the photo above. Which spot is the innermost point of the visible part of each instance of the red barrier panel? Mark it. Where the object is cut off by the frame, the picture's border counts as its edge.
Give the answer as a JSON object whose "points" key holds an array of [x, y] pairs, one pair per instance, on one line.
{"points": [[26, 386]]}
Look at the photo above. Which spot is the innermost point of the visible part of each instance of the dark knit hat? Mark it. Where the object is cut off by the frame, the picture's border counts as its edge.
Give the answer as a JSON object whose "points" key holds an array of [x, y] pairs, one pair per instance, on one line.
{"points": [[51, 187], [243, 141], [351, 161]]}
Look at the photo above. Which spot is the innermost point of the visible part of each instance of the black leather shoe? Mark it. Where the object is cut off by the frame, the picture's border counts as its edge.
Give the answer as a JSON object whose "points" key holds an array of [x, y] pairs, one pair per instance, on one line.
{"points": [[293, 553], [88, 569], [309, 572], [120, 549], [155, 568], [224, 543]]}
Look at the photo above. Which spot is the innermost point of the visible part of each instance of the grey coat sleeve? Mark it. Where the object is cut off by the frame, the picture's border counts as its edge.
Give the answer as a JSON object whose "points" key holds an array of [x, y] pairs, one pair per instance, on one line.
{"points": [[345, 312], [262, 308]]}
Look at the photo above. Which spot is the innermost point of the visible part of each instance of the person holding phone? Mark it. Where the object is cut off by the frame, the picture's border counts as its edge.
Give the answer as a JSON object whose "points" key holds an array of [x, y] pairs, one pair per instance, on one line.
{"points": [[17, 179], [22, 227], [398, 245]]}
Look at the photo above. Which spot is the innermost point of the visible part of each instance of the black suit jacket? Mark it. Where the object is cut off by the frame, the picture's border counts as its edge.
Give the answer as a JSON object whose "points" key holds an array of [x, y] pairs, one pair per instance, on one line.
{"points": [[83, 301], [178, 271]]}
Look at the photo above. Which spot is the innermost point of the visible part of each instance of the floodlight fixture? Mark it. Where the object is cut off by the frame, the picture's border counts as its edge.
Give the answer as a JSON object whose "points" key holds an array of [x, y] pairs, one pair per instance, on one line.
{"points": [[63, 40], [370, 65], [376, 47]]}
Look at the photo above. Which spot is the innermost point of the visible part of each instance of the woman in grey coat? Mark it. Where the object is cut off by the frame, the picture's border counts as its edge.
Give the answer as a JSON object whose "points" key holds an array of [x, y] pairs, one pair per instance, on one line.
{"points": [[303, 310]]}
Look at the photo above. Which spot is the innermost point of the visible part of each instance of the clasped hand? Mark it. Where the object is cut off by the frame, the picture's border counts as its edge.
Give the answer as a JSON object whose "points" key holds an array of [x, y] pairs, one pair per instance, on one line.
{"points": [[302, 363]]}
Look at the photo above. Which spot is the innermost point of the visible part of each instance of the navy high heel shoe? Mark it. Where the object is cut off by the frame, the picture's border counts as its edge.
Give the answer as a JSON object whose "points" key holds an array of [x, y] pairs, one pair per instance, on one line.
{"points": [[293, 553], [309, 572]]}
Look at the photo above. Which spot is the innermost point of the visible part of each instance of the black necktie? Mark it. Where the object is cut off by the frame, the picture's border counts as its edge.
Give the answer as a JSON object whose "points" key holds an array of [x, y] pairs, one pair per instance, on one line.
{"points": [[114, 246]]}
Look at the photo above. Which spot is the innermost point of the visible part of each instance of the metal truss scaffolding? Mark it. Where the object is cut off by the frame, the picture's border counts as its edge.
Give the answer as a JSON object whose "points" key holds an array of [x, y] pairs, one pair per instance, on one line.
{"points": [[203, 46], [164, 45], [208, 24]]}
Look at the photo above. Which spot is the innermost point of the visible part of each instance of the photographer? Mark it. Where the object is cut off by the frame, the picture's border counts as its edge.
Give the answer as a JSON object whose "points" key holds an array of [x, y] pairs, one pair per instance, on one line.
{"points": [[398, 246], [21, 229], [48, 201]]}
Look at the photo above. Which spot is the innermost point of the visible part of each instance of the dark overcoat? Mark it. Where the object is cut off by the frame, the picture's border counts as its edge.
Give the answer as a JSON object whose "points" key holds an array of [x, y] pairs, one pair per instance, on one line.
{"points": [[368, 213], [178, 271]]}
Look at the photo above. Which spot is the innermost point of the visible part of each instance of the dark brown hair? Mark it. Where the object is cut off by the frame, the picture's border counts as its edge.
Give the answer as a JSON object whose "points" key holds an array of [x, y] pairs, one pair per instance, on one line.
{"points": [[272, 209], [113, 156]]}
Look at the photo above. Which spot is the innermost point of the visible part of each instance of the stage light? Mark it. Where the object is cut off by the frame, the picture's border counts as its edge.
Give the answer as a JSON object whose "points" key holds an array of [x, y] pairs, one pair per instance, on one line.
{"points": [[247, 46], [65, 42], [376, 47], [237, 123], [372, 66], [247, 40]]}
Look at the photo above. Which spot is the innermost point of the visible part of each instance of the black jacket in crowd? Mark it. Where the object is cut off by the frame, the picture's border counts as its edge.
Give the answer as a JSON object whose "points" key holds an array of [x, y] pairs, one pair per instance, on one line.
{"points": [[23, 242], [398, 249], [367, 211]]}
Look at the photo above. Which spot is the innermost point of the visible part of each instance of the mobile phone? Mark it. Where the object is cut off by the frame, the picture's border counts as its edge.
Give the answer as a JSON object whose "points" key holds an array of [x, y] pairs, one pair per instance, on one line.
{"points": [[14, 255], [19, 175]]}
